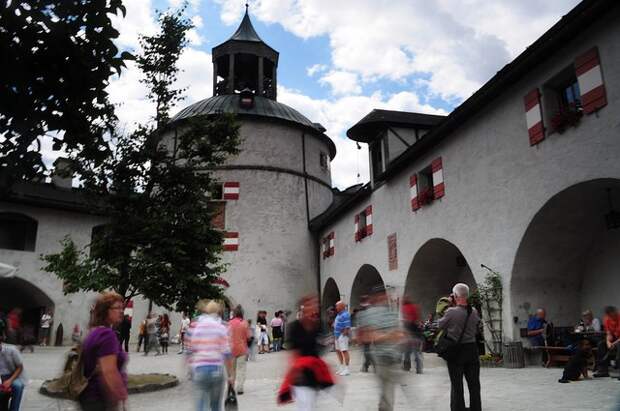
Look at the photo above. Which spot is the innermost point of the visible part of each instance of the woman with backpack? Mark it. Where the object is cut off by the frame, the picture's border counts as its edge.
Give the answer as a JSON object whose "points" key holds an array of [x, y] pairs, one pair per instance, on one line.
{"points": [[103, 358]]}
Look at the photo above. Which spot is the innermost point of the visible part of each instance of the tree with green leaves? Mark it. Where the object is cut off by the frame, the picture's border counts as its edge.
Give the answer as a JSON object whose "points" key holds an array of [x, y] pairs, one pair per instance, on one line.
{"points": [[159, 242], [58, 57]]}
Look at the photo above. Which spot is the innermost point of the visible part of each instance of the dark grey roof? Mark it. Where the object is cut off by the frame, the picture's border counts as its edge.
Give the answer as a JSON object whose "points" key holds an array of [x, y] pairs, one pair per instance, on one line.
{"points": [[246, 31], [49, 196], [367, 128], [263, 107]]}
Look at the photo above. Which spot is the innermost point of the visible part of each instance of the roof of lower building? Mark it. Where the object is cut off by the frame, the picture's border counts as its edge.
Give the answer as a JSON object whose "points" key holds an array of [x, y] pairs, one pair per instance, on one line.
{"points": [[49, 196], [263, 108], [367, 128]]}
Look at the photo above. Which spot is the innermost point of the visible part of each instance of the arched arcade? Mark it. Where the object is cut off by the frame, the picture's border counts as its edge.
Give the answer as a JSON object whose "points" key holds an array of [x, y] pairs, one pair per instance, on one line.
{"points": [[569, 257], [435, 268]]}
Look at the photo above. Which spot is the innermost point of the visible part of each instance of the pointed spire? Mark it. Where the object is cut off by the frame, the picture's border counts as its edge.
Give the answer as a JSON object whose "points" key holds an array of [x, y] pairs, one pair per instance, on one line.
{"points": [[246, 31]]}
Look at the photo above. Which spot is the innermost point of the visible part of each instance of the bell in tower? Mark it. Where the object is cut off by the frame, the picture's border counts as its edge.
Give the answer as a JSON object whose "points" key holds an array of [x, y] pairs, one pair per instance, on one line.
{"points": [[245, 63]]}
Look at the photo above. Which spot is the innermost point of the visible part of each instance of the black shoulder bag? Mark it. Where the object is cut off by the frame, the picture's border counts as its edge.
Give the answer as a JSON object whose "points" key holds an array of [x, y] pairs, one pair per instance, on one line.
{"points": [[446, 347]]}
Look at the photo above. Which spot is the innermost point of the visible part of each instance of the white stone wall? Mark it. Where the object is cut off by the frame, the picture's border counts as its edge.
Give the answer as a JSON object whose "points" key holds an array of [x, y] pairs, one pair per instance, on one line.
{"points": [[495, 181]]}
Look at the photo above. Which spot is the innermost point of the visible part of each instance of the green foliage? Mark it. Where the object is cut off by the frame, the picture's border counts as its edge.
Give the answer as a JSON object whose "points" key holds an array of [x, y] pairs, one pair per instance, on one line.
{"points": [[489, 297], [58, 56], [158, 241]]}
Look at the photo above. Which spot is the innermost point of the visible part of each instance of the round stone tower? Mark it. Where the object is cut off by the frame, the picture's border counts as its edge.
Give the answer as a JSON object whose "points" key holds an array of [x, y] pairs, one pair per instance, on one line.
{"points": [[274, 187]]}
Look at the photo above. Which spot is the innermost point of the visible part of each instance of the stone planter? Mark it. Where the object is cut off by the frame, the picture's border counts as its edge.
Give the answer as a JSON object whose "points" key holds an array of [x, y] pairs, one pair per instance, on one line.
{"points": [[137, 383]]}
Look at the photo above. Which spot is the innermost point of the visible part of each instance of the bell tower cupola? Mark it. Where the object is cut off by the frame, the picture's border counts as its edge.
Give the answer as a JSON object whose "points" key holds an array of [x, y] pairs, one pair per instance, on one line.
{"points": [[245, 64]]}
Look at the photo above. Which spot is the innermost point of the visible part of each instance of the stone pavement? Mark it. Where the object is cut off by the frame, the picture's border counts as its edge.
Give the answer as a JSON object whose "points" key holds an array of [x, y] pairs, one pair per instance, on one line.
{"points": [[529, 389]]}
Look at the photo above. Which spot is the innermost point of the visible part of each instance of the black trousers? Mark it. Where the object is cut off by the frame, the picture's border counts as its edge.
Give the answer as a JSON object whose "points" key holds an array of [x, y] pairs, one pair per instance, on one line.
{"points": [[143, 338], [368, 360], [125, 342], [466, 365]]}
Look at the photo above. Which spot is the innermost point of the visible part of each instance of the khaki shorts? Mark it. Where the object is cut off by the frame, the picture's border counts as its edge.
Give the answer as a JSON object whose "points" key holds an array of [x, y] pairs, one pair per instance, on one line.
{"points": [[342, 343]]}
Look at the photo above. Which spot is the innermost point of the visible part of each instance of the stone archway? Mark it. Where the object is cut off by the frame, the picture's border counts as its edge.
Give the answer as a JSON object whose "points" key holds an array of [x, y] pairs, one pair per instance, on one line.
{"points": [[568, 259], [367, 277], [435, 268], [17, 293], [331, 294]]}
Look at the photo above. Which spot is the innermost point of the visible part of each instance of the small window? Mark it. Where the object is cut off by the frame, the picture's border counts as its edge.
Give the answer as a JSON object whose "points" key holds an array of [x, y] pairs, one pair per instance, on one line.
{"points": [[218, 214], [216, 192], [376, 157], [17, 232], [362, 224], [562, 101], [324, 161], [425, 186]]}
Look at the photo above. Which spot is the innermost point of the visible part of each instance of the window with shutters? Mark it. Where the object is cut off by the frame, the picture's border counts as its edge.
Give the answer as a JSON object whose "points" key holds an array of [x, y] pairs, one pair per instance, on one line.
{"points": [[17, 232], [562, 101]]}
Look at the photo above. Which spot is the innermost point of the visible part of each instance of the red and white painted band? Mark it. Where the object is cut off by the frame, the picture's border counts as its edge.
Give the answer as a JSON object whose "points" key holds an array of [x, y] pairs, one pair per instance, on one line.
{"points": [[231, 190], [533, 116], [438, 176], [413, 191], [331, 243], [590, 80], [369, 219], [231, 241]]}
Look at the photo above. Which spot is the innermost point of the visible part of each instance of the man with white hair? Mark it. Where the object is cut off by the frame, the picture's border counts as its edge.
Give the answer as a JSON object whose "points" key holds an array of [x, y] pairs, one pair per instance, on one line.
{"points": [[460, 323], [342, 331]]}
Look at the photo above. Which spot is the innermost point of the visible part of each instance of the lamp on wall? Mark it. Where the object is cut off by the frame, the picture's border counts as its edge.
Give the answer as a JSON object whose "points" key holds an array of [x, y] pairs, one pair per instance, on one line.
{"points": [[612, 219]]}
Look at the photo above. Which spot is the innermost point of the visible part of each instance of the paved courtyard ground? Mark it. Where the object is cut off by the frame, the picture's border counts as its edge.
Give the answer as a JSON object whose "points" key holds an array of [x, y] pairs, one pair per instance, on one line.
{"points": [[530, 388]]}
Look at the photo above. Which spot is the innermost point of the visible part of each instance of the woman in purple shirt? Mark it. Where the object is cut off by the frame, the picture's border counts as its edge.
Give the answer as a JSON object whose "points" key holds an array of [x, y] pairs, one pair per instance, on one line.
{"points": [[104, 359]]}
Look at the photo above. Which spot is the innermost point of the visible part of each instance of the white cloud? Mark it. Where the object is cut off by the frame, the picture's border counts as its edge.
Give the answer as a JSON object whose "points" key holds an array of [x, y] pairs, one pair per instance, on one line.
{"points": [[342, 82], [315, 68], [457, 45], [140, 19], [338, 115]]}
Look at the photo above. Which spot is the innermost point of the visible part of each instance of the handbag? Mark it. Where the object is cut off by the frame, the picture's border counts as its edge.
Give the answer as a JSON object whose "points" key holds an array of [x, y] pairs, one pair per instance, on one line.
{"points": [[231, 399], [72, 381], [446, 347]]}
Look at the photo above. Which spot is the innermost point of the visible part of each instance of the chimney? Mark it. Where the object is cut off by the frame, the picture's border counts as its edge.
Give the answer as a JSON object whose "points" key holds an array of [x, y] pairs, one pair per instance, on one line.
{"points": [[62, 175]]}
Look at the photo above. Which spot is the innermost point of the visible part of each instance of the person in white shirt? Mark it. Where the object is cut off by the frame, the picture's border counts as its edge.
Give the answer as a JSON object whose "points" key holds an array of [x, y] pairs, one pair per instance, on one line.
{"points": [[185, 321], [44, 328]]}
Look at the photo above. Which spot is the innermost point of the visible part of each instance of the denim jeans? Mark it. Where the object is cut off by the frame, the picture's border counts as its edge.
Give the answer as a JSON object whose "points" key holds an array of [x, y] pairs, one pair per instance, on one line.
{"points": [[209, 384], [16, 395]]}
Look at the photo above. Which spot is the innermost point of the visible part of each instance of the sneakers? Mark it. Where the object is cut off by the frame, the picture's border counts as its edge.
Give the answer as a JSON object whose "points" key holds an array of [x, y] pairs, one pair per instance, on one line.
{"points": [[344, 371], [563, 381]]}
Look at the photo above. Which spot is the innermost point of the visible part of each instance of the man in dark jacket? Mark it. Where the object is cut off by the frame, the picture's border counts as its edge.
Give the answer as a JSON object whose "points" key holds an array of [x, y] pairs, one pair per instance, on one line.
{"points": [[461, 322]]}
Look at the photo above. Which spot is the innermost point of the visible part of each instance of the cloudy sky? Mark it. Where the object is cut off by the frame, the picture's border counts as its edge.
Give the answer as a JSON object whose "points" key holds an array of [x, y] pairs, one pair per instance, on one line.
{"points": [[340, 59]]}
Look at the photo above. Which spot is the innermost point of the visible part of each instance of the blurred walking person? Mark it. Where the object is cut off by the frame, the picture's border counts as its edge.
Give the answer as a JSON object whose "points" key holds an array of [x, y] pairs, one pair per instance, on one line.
{"points": [[308, 373], [342, 332], [185, 321], [142, 336], [164, 333], [239, 334], [367, 358], [380, 327], [460, 323], [415, 339], [209, 351], [125, 332], [104, 358], [151, 335]]}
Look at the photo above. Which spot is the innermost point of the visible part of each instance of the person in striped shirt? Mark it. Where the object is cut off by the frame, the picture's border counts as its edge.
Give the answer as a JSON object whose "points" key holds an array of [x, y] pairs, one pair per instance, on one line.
{"points": [[209, 352]]}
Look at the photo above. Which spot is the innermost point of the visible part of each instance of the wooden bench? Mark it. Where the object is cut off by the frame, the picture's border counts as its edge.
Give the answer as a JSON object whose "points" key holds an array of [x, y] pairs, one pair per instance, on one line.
{"points": [[561, 355]]}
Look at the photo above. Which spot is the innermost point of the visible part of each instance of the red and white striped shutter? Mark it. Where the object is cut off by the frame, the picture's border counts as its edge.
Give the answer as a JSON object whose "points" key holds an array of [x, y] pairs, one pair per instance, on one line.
{"points": [[357, 227], [590, 78], [332, 248], [368, 213], [413, 192], [439, 188], [533, 117], [231, 190], [231, 241]]}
